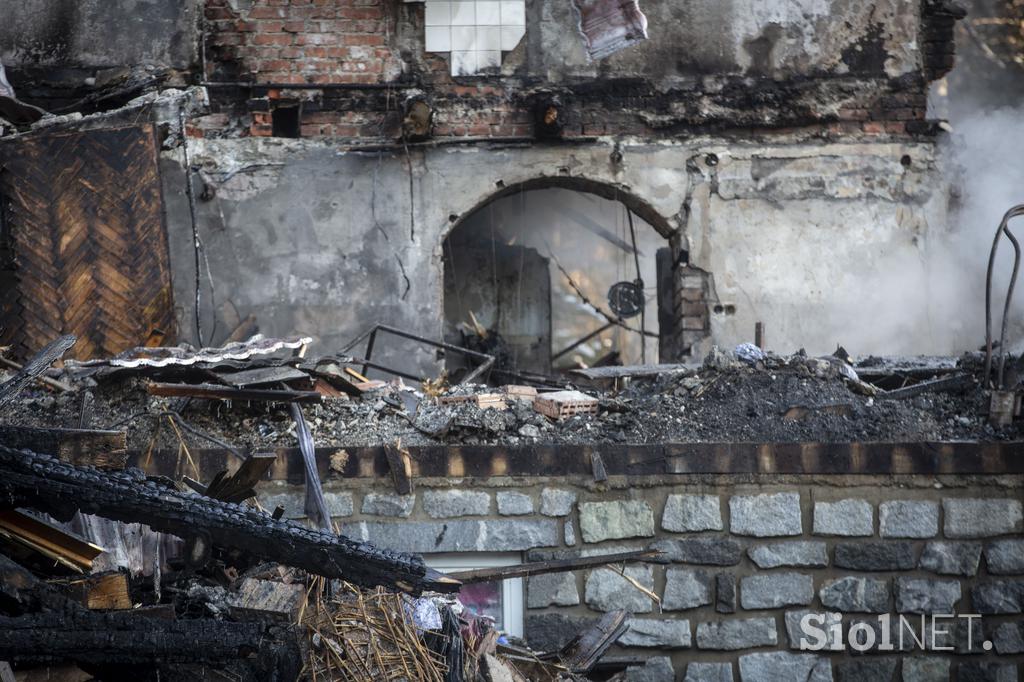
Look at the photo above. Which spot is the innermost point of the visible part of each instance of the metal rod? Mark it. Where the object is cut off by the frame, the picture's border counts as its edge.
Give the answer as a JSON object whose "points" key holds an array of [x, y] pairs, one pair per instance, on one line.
{"points": [[759, 335], [369, 349], [640, 285], [486, 361], [582, 340], [1003, 229], [196, 244]]}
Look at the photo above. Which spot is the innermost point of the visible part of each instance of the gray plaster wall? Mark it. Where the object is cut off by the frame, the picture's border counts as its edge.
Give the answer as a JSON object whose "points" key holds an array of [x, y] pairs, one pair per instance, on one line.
{"points": [[807, 237], [99, 33], [774, 38]]}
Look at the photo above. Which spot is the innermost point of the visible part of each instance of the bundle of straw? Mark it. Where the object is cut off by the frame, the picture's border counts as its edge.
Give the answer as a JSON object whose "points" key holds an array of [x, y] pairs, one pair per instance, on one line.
{"points": [[365, 636]]}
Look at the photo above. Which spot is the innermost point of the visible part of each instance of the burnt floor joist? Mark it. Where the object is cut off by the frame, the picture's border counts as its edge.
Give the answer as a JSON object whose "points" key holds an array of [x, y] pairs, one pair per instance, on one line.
{"points": [[482, 461]]}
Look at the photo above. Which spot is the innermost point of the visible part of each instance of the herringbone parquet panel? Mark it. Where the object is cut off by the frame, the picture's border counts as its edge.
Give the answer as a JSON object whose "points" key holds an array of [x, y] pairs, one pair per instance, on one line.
{"points": [[91, 259]]}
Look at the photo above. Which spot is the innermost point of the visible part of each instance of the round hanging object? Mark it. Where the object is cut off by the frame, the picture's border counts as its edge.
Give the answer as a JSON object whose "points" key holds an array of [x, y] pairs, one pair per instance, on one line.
{"points": [[626, 299]]}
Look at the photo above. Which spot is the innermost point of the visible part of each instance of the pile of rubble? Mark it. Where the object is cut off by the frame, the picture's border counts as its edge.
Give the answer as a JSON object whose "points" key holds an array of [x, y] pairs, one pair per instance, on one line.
{"points": [[244, 397], [195, 576]]}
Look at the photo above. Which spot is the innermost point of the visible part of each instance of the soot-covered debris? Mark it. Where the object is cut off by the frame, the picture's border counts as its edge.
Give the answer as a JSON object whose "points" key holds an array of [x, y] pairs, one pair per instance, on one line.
{"points": [[757, 399]]}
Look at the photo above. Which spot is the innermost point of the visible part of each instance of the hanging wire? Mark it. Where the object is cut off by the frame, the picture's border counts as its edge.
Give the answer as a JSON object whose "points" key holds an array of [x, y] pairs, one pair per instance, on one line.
{"points": [[197, 244]]}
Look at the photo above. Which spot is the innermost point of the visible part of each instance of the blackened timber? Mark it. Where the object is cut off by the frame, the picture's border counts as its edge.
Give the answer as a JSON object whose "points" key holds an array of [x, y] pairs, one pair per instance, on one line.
{"points": [[34, 368], [215, 392], [486, 575], [123, 638], [586, 648], [45, 483], [240, 486], [656, 459], [103, 449]]}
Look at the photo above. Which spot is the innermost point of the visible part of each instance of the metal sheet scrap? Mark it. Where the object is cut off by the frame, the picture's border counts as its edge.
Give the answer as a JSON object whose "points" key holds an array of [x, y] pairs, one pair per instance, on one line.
{"points": [[610, 25]]}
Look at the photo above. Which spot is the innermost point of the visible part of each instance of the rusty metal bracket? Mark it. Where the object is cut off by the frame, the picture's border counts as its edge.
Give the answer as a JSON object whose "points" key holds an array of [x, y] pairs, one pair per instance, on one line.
{"points": [[370, 337]]}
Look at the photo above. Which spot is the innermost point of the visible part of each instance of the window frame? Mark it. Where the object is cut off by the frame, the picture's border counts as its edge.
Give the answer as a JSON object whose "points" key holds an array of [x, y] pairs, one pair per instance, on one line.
{"points": [[512, 590]]}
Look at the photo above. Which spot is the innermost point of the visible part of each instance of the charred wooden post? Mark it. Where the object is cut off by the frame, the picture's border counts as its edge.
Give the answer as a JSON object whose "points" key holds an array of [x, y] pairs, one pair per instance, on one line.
{"points": [[123, 638], [35, 367], [45, 483]]}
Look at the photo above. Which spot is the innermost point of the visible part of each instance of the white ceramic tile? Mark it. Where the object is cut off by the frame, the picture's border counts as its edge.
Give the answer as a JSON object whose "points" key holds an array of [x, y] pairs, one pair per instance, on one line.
{"points": [[488, 13], [513, 12], [488, 38], [437, 13], [463, 63], [510, 36], [488, 59], [438, 39], [463, 38], [464, 13]]}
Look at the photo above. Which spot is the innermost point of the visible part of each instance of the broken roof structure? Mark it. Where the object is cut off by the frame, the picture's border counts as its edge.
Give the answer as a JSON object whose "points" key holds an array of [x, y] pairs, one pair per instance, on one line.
{"points": [[494, 340]]}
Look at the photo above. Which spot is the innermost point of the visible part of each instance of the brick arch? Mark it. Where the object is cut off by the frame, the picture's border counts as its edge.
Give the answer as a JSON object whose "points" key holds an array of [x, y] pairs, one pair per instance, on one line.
{"points": [[688, 321], [665, 226]]}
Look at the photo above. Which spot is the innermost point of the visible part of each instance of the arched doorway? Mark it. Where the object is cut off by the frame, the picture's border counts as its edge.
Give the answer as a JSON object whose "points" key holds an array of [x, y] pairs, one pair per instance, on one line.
{"points": [[550, 278]]}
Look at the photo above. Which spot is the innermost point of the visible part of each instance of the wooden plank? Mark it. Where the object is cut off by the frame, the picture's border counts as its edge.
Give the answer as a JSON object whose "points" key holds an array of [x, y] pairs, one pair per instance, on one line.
{"points": [[654, 459], [400, 464], [84, 447], [241, 485], [49, 540], [486, 575], [215, 392], [586, 648], [269, 598], [104, 592]]}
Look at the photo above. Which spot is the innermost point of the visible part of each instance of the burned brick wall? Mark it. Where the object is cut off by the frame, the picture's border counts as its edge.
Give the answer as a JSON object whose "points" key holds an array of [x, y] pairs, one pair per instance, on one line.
{"points": [[353, 64]]}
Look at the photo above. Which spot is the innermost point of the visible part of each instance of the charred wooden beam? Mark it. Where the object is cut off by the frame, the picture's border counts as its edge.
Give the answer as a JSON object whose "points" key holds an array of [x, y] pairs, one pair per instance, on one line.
{"points": [[586, 648], [240, 486], [486, 575], [215, 392], [85, 447], [49, 540], [121, 638], [34, 368], [400, 464], [45, 483]]}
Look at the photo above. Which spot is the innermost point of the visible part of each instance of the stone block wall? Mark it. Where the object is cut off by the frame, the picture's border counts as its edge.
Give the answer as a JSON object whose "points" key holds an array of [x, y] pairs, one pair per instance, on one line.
{"points": [[741, 566]]}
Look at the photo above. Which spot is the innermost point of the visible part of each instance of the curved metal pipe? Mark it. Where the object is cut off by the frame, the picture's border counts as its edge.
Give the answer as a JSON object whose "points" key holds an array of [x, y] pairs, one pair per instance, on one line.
{"points": [[1014, 212]]}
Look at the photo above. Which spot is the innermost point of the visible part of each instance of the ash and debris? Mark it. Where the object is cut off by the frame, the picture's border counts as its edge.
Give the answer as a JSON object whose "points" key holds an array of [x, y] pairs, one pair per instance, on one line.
{"points": [[732, 397]]}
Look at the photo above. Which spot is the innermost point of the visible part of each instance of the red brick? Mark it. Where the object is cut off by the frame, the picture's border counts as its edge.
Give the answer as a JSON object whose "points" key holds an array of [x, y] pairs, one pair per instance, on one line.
{"points": [[294, 26], [360, 13], [265, 13], [276, 65], [895, 127], [873, 127], [363, 40], [317, 39], [272, 39]]}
